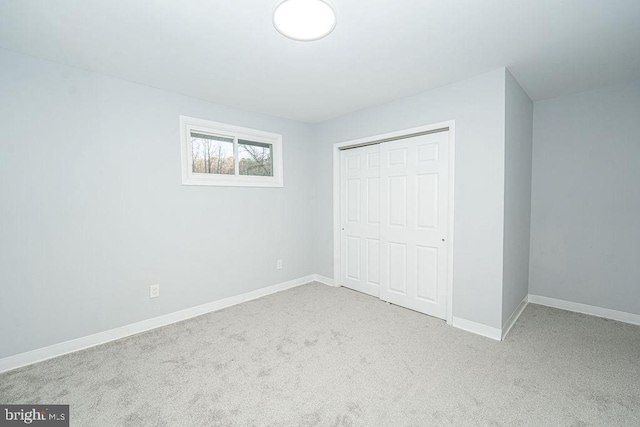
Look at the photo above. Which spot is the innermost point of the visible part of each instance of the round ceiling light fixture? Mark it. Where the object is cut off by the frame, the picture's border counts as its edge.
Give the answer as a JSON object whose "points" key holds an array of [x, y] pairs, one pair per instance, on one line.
{"points": [[304, 20]]}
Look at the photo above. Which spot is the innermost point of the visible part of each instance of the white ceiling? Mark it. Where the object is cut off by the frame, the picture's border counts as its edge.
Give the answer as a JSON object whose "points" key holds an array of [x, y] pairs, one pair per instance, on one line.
{"points": [[227, 51]]}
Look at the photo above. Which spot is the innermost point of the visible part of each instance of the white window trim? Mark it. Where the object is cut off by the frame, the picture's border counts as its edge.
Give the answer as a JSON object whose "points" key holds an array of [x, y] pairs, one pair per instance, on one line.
{"points": [[188, 124]]}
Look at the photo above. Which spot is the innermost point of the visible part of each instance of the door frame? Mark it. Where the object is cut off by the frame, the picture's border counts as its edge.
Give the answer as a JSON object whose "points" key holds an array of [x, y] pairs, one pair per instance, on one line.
{"points": [[377, 139]]}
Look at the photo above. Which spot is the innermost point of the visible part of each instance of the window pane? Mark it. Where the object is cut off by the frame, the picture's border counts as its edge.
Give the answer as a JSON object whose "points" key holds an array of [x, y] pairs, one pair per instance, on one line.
{"points": [[212, 154], [255, 158]]}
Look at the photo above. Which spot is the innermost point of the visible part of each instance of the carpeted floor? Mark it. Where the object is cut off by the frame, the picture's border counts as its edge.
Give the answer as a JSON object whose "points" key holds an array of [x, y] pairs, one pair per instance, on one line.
{"points": [[316, 355]]}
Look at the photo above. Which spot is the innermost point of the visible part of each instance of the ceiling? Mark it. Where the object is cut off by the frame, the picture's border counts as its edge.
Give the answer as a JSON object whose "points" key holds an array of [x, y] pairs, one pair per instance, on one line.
{"points": [[227, 51]]}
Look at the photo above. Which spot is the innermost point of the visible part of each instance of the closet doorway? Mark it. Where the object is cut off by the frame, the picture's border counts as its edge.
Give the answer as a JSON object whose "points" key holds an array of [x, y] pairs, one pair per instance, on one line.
{"points": [[395, 218]]}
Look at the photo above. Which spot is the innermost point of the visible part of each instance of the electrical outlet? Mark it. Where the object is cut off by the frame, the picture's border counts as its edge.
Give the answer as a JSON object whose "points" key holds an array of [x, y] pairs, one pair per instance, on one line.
{"points": [[154, 291], [279, 264]]}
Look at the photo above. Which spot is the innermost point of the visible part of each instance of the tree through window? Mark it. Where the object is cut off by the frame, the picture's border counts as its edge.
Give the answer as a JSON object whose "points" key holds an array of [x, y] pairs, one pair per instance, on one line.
{"points": [[211, 154], [255, 158]]}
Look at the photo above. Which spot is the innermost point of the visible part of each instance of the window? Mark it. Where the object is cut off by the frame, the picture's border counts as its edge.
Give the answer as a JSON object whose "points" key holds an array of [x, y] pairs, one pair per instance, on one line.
{"points": [[220, 154]]}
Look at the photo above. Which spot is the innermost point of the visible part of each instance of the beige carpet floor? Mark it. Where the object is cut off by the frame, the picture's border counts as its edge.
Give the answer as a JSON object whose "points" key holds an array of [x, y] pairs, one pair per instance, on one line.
{"points": [[316, 355]]}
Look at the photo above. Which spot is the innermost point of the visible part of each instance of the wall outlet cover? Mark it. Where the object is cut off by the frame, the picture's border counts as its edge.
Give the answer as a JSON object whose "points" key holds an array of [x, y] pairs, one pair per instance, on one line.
{"points": [[154, 291]]}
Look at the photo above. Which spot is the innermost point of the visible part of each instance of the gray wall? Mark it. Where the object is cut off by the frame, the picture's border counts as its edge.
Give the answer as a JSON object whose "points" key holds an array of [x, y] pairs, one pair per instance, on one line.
{"points": [[92, 210], [585, 237], [517, 196], [477, 106]]}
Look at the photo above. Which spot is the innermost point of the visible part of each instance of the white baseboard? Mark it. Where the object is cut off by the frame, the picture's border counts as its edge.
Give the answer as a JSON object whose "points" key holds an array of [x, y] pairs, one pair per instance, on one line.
{"points": [[41, 354], [621, 316], [322, 279], [514, 316], [477, 328], [55, 350]]}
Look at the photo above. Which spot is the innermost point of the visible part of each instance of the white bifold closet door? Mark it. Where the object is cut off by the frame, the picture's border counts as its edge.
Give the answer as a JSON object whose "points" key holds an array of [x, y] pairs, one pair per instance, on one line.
{"points": [[394, 216], [360, 219]]}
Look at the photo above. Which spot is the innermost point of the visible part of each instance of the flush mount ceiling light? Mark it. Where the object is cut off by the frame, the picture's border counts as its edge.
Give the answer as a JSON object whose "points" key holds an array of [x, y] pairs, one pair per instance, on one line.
{"points": [[304, 20]]}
